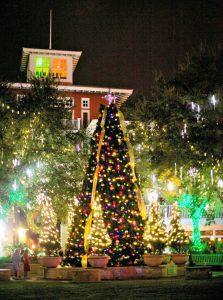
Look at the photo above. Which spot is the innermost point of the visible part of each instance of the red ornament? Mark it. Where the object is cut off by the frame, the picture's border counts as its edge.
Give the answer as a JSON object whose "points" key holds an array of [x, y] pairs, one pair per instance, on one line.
{"points": [[134, 223]]}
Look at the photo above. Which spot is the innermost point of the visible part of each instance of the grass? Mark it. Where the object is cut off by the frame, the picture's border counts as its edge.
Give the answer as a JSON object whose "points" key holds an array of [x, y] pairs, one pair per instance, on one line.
{"points": [[174, 289]]}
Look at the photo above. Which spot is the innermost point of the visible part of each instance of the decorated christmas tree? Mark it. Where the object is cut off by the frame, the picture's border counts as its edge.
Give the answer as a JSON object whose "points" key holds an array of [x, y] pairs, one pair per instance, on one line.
{"points": [[177, 237], [155, 236], [98, 238], [49, 234], [111, 184]]}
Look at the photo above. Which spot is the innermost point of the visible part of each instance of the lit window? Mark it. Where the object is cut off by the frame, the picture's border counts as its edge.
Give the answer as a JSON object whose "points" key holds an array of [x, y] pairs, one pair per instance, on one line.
{"points": [[85, 102], [59, 68], [42, 66]]}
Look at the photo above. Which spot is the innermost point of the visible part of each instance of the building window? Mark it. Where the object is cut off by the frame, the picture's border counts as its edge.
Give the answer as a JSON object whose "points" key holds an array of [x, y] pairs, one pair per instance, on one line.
{"points": [[20, 97], [59, 68], [42, 67], [85, 102], [69, 102]]}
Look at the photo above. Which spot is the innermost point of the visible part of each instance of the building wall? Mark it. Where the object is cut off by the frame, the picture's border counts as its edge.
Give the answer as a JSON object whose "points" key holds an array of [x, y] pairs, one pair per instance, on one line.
{"points": [[95, 100]]}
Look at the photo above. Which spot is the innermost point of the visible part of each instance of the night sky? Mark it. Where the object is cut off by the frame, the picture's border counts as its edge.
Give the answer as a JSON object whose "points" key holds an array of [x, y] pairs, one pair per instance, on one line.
{"points": [[123, 41]]}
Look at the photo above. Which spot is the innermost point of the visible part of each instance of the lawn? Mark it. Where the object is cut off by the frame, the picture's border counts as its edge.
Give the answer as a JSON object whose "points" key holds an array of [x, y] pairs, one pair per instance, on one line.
{"points": [[179, 289]]}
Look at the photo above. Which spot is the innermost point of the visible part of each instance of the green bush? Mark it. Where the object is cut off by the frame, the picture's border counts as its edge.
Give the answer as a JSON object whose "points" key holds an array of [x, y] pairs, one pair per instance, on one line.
{"points": [[5, 259]]}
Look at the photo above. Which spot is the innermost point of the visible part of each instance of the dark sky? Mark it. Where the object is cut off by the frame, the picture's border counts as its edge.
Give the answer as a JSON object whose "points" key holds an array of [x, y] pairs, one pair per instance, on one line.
{"points": [[123, 41]]}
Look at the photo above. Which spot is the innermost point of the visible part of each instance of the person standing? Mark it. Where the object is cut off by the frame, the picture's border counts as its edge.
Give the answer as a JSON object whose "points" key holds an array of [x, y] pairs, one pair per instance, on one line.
{"points": [[16, 263], [26, 262]]}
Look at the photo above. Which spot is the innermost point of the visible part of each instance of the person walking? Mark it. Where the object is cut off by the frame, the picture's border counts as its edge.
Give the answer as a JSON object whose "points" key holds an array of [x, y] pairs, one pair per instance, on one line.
{"points": [[26, 262], [16, 263]]}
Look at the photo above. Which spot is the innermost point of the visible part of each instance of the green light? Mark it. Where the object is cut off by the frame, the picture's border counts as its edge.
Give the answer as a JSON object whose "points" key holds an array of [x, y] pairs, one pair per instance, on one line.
{"points": [[42, 66], [196, 206], [17, 196], [17, 193]]}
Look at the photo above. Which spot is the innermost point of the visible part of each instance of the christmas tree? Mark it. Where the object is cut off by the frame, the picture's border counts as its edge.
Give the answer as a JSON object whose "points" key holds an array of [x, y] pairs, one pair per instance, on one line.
{"points": [[81, 210], [155, 236], [111, 181], [49, 234], [177, 237], [98, 238]]}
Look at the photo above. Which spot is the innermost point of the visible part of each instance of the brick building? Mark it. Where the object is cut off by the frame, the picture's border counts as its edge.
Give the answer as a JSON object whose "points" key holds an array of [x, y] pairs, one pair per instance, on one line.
{"points": [[84, 101]]}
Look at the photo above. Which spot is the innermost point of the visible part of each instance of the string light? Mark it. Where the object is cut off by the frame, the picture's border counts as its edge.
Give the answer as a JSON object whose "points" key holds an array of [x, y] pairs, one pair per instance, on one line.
{"points": [[213, 101], [49, 234]]}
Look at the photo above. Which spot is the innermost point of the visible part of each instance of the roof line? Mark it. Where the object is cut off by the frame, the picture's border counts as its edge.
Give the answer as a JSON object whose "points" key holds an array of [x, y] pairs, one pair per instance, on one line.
{"points": [[122, 94]]}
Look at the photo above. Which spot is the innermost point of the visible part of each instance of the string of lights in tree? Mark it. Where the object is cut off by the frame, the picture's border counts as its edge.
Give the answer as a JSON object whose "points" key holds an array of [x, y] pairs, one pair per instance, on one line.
{"points": [[195, 174], [26, 133], [200, 172], [31, 135], [49, 234], [196, 204]]}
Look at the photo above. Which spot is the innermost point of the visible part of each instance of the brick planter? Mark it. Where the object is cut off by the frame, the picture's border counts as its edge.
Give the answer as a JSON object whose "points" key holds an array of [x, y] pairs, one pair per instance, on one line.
{"points": [[111, 273], [5, 274]]}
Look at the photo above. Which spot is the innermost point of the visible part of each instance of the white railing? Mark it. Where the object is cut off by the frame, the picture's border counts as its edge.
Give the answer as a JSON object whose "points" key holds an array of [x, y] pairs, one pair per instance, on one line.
{"points": [[185, 213], [72, 124]]}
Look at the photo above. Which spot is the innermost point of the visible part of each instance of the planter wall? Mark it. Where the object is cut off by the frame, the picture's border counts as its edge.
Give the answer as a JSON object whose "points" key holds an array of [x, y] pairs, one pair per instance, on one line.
{"points": [[9, 266], [5, 274]]}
